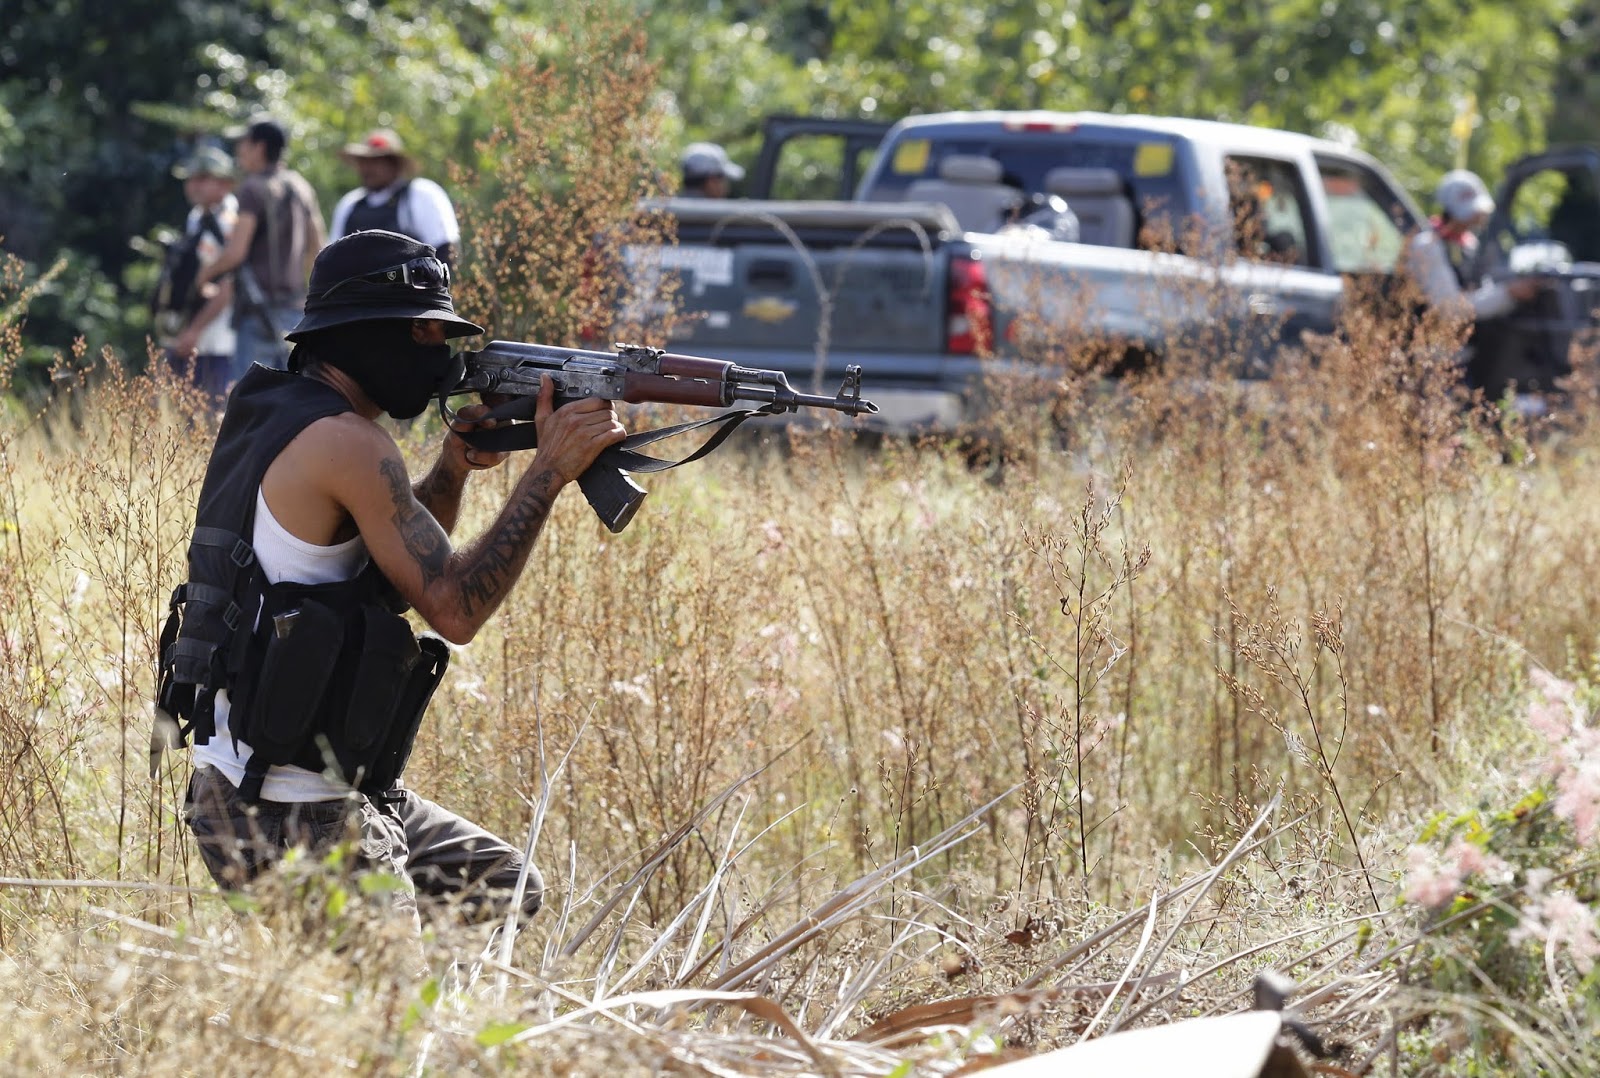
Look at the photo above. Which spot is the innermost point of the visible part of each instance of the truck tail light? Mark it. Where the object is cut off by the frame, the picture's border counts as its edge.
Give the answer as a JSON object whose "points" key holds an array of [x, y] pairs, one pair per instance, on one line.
{"points": [[1058, 126], [969, 323]]}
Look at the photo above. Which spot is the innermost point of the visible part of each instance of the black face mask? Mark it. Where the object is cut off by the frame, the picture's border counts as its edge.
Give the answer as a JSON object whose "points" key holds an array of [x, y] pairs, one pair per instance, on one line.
{"points": [[398, 374]]}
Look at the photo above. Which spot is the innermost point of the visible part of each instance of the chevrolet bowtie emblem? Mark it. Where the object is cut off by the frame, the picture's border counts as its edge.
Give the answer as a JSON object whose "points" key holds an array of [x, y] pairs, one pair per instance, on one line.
{"points": [[770, 309]]}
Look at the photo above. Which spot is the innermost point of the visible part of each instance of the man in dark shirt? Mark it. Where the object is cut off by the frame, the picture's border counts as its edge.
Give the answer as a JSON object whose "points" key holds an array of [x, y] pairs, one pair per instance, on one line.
{"points": [[273, 244]]}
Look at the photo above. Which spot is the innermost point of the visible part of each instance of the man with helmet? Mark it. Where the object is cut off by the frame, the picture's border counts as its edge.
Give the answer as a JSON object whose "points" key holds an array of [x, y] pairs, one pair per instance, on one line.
{"points": [[708, 171], [1442, 257], [285, 659], [1443, 260]]}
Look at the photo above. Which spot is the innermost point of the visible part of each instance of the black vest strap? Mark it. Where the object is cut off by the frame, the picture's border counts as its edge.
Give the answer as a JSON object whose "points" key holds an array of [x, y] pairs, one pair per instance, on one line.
{"points": [[364, 215], [255, 773], [239, 551]]}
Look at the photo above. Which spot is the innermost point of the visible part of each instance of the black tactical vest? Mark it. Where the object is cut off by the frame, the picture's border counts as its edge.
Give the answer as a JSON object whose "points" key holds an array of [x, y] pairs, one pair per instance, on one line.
{"points": [[324, 676], [364, 215]]}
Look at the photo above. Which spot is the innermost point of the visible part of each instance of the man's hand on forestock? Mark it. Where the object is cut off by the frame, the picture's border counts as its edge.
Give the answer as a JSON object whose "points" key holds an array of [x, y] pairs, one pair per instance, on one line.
{"points": [[461, 458], [570, 437]]}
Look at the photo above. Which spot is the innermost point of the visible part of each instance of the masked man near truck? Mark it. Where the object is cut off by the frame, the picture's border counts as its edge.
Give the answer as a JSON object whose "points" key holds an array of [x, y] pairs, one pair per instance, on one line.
{"points": [[285, 658]]}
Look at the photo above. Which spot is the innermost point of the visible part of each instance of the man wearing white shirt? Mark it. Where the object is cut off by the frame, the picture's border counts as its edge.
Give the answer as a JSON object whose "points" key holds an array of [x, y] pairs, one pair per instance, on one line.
{"points": [[393, 198], [198, 340], [1440, 256]]}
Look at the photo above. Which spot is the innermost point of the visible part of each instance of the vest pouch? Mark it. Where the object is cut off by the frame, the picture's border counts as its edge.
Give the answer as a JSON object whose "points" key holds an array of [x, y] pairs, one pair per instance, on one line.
{"points": [[388, 653], [280, 704], [432, 660]]}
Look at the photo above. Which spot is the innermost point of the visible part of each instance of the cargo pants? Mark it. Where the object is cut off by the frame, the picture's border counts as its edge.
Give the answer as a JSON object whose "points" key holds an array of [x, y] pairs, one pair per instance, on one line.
{"points": [[428, 848]]}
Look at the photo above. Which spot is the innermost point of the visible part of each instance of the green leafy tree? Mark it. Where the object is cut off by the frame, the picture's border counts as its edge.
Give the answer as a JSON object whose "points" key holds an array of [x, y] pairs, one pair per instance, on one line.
{"points": [[97, 100], [81, 169]]}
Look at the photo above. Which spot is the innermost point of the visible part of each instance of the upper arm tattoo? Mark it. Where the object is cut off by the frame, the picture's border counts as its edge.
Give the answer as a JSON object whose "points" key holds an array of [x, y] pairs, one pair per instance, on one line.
{"points": [[424, 538]]}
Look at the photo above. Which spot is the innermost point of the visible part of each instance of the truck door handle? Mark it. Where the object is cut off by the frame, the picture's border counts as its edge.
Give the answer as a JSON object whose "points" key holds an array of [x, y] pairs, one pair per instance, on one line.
{"points": [[770, 273], [1263, 304]]}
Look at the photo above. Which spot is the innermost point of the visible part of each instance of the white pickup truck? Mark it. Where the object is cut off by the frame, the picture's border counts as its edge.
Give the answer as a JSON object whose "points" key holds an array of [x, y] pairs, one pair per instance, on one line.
{"points": [[919, 280]]}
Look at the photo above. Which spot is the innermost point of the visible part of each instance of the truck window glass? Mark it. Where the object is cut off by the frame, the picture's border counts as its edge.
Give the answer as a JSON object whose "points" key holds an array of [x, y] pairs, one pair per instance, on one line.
{"points": [[1267, 202], [1367, 224], [1149, 165]]}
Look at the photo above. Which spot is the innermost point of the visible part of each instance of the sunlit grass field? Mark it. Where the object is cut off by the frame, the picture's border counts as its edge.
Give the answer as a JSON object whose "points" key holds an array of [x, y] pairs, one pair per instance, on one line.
{"points": [[881, 757], [1077, 729]]}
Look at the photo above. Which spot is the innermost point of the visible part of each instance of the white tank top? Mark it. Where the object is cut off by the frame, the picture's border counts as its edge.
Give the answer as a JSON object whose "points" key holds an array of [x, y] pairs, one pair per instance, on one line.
{"points": [[284, 557]]}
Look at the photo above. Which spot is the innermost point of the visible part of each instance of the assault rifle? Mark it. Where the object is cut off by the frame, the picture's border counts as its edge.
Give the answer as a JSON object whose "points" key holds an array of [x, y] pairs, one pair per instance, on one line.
{"points": [[508, 374]]}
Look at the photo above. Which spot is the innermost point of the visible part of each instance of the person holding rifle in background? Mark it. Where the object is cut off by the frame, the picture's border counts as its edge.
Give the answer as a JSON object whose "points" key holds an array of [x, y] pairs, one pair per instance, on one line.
{"points": [[195, 329], [278, 233]]}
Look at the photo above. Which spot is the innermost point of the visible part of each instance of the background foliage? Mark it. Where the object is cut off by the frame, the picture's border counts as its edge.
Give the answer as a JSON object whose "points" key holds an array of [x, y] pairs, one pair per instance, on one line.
{"points": [[98, 100]]}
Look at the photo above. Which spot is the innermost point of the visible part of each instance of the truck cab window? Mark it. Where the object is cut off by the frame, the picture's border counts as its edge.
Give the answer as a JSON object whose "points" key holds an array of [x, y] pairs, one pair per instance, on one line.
{"points": [[818, 166], [1268, 206], [1367, 222], [1122, 189], [1559, 205]]}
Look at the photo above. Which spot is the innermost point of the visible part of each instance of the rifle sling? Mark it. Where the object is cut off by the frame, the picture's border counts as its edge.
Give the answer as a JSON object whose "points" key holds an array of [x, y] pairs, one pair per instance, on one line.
{"points": [[624, 455]]}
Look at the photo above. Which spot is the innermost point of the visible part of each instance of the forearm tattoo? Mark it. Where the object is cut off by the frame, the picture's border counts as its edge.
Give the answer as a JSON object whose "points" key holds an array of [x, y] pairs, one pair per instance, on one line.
{"points": [[430, 487], [424, 539], [441, 496], [503, 550]]}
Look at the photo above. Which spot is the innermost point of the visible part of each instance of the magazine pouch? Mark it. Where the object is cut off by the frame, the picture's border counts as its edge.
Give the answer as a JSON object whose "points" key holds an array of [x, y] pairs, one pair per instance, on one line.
{"points": [[379, 673], [275, 710], [432, 659]]}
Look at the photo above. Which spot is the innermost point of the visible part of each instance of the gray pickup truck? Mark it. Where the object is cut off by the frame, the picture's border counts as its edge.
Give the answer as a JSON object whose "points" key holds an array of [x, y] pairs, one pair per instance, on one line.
{"points": [[950, 254]]}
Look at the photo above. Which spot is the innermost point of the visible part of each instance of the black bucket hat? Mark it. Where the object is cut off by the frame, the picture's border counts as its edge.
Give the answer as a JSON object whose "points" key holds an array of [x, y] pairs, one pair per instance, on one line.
{"points": [[372, 275]]}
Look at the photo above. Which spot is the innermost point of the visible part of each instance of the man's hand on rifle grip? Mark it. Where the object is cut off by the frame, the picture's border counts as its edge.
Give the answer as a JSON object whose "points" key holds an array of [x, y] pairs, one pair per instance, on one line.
{"points": [[572, 436]]}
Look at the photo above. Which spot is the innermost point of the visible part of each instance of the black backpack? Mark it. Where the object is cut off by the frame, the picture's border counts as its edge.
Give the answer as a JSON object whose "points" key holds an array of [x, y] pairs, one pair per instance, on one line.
{"points": [[176, 299]]}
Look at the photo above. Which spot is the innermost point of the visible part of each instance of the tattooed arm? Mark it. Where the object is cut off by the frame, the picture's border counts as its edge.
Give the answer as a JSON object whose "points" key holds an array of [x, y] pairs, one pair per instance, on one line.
{"points": [[439, 491], [454, 590]]}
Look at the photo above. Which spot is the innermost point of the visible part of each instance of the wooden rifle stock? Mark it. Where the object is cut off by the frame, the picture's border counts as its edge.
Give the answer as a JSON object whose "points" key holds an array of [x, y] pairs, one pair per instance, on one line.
{"points": [[655, 389]]}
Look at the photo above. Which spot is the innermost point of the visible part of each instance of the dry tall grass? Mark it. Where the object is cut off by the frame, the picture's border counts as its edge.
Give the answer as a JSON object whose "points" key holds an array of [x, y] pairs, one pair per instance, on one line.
{"points": [[839, 760], [829, 731]]}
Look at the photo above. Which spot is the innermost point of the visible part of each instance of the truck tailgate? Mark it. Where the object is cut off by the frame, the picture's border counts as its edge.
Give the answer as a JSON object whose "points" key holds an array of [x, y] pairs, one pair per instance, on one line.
{"points": [[796, 279]]}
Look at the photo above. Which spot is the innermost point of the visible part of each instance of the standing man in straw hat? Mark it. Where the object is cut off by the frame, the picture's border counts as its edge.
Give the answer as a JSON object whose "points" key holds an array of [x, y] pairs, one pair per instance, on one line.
{"points": [[393, 198]]}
